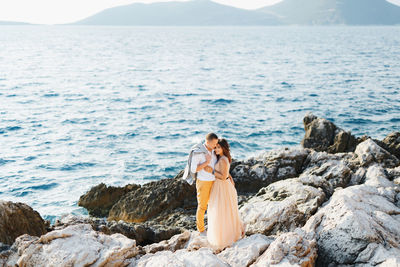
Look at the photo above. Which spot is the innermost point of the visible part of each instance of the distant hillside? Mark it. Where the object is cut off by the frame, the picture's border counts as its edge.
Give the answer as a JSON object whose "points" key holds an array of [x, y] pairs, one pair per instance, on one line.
{"points": [[197, 12], [351, 12]]}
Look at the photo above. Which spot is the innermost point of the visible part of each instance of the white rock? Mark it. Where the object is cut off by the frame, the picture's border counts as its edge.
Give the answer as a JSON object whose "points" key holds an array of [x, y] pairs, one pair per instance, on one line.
{"points": [[246, 250], [369, 152]]}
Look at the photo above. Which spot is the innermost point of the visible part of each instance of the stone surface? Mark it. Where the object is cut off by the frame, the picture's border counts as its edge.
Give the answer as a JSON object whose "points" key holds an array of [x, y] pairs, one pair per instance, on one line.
{"points": [[17, 219], [323, 135], [152, 199], [76, 245], [289, 249], [360, 224], [245, 251], [368, 152], [174, 243], [281, 206], [392, 143], [256, 172], [100, 198]]}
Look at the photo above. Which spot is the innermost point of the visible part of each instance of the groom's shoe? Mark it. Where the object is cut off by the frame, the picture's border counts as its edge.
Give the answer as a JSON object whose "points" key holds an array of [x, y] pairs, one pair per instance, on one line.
{"points": [[204, 233]]}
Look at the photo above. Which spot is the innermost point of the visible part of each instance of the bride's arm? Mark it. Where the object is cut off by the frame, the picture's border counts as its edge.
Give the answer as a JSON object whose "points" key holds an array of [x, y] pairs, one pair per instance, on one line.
{"points": [[223, 172]]}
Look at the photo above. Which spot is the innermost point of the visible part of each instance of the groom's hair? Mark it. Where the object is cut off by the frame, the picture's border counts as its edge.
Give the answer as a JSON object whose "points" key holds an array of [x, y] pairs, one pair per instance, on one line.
{"points": [[211, 136]]}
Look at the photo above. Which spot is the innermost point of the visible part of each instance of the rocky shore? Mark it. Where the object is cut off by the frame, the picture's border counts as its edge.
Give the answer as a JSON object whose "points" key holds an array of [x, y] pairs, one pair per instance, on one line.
{"points": [[333, 201]]}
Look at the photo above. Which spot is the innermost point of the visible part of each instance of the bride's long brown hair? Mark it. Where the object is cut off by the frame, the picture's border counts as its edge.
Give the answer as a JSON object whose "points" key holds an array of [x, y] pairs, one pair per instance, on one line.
{"points": [[225, 148]]}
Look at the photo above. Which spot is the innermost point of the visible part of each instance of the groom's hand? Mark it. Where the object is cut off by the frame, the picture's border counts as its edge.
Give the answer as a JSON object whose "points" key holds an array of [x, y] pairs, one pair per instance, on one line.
{"points": [[208, 158], [208, 169]]}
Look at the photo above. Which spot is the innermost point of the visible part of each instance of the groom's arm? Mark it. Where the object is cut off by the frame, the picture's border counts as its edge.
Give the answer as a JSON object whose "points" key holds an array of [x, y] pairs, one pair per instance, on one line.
{"points": [[196, 166]]}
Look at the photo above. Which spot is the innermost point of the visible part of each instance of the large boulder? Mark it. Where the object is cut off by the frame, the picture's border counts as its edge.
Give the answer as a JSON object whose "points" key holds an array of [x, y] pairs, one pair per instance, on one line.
{"points": [[392, 143], [152, 199], [76, 245], [100, 198], [360, 224], [323, 135], [289, 249], [17, 219], [256, 172], [369, 153], [281, 207]]}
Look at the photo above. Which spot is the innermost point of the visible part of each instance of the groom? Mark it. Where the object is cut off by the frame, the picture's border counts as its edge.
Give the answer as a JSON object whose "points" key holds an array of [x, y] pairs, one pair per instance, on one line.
{"points": [[203, 156]]}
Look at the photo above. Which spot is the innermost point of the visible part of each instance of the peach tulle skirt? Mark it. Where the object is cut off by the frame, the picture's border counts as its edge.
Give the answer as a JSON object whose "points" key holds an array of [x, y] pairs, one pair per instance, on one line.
{"points": [[224, 224]]}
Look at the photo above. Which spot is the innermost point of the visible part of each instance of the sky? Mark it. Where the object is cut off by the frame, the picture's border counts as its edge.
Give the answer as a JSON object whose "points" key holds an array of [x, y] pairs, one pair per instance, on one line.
{"points": [[66, 11]]}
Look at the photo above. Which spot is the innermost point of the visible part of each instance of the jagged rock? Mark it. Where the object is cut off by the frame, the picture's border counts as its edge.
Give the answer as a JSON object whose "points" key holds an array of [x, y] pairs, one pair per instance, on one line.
{"points": [[281, 206], [173, 244], [392, 143], [360, 224], [254, 173], [152, 199], [245, 251], [368, 152], [329, 176], [100, 198], [289, 249], [203, 257], [17, 219], [76, 245], [323, 135]]}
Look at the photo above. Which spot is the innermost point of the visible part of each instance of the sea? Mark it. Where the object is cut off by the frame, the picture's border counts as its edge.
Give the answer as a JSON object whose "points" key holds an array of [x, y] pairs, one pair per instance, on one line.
{"points": [[83, 105]]}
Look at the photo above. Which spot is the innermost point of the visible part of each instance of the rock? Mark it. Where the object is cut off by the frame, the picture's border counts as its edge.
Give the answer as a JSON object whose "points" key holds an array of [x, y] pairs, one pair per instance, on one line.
{"points": [[254, 173], [17, 219], [100, 198], [203, 257], [329, 176], [391, 143], [152, 199], [173, 244], [281, 206], [323, 135], [359, 224], [368, 152], [245, 251], [289, 249], [76, 245]]}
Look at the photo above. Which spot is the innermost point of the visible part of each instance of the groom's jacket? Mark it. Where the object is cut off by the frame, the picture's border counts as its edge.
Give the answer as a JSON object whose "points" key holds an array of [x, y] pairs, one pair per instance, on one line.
{"points": [[196, 157]]}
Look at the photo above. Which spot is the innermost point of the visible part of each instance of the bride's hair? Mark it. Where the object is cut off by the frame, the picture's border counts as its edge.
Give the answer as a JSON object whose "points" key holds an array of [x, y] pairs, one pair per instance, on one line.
{"points": [[225, 148]]}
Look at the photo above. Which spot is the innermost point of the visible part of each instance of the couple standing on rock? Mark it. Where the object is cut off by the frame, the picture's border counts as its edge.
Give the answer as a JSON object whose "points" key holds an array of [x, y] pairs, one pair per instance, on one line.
{"points": [[209, 165]]}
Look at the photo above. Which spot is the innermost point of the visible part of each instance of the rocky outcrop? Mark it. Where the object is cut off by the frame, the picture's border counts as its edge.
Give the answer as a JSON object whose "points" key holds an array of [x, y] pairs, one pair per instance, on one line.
{"points": [[153, 199], [256, 172], [392, 143], [100, 199], [359, 224], [323, 135], [17, 219], [368, 152]]}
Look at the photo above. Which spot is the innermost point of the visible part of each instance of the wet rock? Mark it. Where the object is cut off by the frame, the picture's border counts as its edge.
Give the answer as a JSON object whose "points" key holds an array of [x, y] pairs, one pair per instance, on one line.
{"points": [[281, 207], [254, 173], [360, 224], [289, 249], [76, 245], [323, 135], [152, 199], [100, 198], [245, 251], [17, 219], [368, 152]]}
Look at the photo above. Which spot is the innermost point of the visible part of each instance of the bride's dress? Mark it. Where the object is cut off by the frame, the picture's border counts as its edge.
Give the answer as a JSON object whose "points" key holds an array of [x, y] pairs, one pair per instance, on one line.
{"points": [[224, 224]]}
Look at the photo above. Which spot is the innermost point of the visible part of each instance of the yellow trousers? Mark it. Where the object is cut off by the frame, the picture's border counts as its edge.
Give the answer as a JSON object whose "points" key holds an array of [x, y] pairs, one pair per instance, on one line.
{"points": [[203, 189]]}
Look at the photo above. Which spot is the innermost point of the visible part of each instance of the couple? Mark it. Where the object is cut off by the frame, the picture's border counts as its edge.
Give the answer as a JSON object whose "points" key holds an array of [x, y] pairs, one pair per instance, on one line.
{"points": [[209, 165]]}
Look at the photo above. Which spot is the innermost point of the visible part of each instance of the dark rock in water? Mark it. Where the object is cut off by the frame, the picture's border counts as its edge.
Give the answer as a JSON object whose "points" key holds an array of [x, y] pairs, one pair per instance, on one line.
{"points": [[17, 219], [254, 173], [392, 143], [153, 198], [323, 135], [100, 199]]}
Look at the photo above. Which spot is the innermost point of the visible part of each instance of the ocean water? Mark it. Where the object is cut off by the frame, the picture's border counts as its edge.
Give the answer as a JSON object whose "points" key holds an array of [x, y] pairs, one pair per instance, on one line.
{"points": [[84, 105]]}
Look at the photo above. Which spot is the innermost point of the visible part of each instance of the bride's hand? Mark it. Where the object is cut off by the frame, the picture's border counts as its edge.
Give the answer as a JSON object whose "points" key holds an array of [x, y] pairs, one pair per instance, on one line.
{"points": [[208, 169]]}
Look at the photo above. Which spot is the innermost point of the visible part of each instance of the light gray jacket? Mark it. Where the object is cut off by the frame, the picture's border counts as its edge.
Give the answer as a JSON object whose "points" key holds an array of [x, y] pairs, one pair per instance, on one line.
{"points": [[189, 176]]}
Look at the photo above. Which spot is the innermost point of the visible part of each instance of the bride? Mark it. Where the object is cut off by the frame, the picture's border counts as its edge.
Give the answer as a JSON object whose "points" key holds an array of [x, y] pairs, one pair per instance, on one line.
{"points": [[224, 224]]}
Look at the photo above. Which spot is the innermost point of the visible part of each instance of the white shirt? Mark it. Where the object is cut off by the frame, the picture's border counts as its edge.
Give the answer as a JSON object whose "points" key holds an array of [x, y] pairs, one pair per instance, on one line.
{"points": [[199, 158]]}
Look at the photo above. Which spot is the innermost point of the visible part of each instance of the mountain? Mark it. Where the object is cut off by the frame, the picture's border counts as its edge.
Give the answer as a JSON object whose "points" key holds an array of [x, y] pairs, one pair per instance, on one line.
{"points": [[351, 12], [196, 12]]}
